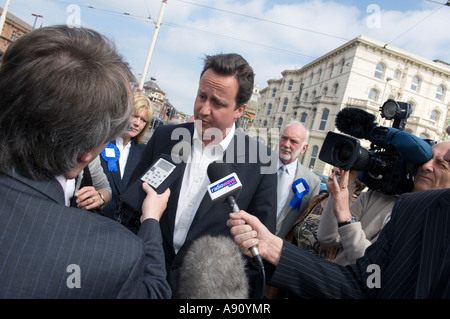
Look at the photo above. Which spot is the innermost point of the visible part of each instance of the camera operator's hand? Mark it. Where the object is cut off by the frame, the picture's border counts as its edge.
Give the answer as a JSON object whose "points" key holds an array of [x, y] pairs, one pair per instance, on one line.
{"points": [[154, 204], [338, 188]]}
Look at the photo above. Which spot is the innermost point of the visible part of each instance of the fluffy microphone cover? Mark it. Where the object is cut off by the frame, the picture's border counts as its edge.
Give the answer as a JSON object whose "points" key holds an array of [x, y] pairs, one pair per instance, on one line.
{"points": [[213, 268]]}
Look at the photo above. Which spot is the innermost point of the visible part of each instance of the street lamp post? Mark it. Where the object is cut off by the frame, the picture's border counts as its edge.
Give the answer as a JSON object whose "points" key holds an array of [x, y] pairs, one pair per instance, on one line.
{"points": [[37, 16]]}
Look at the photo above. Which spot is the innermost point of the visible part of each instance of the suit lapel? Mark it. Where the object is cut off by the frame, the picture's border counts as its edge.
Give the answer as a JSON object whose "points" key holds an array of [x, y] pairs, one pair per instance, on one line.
{"points": [[133, 159], [171, 211]]}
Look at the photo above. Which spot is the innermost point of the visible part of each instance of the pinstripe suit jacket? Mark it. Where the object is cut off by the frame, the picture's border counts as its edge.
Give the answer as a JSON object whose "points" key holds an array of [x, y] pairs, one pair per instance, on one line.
{"points": [[41, 240], [412, 251]]}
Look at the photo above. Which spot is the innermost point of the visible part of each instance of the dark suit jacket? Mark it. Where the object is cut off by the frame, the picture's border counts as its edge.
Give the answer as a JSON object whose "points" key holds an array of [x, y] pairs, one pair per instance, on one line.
{"points": [[412, 253], [41, 240], [118, 184], [257, 196]]}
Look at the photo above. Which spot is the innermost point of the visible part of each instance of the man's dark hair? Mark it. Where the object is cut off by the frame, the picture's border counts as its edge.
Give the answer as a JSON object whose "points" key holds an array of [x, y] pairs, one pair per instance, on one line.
{"points": [[234, 65], [63, 91]]}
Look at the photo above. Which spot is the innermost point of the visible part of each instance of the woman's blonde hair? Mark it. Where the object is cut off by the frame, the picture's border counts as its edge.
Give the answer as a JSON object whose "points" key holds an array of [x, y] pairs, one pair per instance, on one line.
{"points": [[142, 102]]}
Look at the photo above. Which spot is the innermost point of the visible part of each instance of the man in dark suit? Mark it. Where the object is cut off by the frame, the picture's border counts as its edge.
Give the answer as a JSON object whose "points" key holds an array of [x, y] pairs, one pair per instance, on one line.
{"points": [[226, 84], [410, 259], [64, 93]]}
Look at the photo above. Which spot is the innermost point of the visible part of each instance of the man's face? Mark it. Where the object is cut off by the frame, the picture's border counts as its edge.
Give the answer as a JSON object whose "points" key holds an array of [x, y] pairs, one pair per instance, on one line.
{"points": [[435, 174], [291, 143], [215, 103]]}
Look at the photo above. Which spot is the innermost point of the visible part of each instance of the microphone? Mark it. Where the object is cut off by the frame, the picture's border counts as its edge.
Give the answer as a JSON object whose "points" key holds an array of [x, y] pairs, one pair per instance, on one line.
{"points": [[221, 274], [226, 186], [355, 122]]}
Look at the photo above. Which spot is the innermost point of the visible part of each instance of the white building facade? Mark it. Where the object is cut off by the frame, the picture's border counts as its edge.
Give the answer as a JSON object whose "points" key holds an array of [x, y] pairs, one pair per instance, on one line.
{"points": [[362, 73]]}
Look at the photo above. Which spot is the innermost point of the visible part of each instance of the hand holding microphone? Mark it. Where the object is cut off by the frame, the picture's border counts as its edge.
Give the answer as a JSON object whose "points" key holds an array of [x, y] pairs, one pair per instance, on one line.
{"points": [[226, 187], [248, 231]]}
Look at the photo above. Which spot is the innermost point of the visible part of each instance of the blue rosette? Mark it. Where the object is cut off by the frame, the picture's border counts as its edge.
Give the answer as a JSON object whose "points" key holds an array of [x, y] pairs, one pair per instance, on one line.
{"points": [[300, 189], [111, 155]]}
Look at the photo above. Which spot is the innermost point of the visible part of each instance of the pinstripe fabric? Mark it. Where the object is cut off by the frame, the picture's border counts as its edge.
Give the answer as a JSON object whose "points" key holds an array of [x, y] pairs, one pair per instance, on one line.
{"points": [[40, 238], [412, 252]]}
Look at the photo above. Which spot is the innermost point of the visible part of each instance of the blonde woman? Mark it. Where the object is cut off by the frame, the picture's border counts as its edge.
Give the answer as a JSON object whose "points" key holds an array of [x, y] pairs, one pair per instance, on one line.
{"points": [[120, 157]]}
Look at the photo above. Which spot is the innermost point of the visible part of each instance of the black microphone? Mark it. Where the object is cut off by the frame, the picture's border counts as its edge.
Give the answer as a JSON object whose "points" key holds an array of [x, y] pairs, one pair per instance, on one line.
{"points": [[355, 122], [226, 186]]}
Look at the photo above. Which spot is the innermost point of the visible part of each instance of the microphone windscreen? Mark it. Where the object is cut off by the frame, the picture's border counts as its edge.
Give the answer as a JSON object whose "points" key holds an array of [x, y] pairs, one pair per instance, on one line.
{"points": [[217, 171], [213, 268], [355, 122]]}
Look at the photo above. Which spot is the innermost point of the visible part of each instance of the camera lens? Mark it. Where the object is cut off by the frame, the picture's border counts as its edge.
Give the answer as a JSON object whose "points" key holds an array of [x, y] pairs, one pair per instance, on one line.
{"points": [[389, 109], [345, 152]]}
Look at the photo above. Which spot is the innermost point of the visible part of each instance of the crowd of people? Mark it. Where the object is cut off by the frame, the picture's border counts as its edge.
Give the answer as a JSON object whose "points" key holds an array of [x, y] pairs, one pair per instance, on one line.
{"points": [[64, 174]]}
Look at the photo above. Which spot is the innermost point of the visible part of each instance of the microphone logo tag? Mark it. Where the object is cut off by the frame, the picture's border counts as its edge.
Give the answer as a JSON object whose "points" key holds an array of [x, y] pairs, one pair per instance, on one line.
{"points": [[230, 182], [230, 185]]}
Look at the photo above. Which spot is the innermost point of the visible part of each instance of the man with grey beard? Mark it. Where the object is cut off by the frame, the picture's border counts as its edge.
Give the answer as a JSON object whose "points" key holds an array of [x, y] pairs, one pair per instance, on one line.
{"points": [[296, 183]]}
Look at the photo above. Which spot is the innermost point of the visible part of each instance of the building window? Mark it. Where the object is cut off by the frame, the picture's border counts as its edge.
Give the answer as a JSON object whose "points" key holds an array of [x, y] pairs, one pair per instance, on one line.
{"points": [[314, 152], [320, 74], [342, 66], [440, 92], [312, 77], [325, 91], [323, 120], [269, 109], [291, 83], [265, 123], [415, 83], [305, 97], [285, 103], [303, 118], [280, 122], [373, 95], [331, 69], [336, 86], [274, 92], [379, 71], [397, 74], [434, 116]]}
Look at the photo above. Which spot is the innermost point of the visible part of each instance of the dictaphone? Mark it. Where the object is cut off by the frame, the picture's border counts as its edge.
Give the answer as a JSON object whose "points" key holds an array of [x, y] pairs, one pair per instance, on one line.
{"points": [[161, 175], [158, 173]]}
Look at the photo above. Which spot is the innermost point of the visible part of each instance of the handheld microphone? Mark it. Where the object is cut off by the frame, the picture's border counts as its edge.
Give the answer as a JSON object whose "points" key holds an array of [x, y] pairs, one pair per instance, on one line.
{"points": [[225, 186]]}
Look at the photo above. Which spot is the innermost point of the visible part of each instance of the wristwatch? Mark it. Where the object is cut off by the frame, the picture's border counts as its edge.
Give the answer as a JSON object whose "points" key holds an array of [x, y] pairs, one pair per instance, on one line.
{"points": [[350, 221], [103, 198]]}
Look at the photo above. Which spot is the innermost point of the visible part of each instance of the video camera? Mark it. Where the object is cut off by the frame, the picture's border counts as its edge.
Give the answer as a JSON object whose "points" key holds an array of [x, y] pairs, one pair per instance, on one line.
{"points": [[390, 165]]}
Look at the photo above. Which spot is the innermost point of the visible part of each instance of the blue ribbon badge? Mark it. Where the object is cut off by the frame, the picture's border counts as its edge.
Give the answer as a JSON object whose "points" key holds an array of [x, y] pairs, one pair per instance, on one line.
{"points": [[300, 188], [111, 155]]}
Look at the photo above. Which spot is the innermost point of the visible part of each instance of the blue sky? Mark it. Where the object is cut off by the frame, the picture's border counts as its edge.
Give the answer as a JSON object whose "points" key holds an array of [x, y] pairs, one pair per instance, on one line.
{"points": [[272, 35]]}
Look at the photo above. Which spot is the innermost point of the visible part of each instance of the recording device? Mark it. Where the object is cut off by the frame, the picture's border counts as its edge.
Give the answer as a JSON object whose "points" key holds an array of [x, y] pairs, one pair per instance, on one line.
{"points": [[160, 176], [390, 164], [226, 186]]}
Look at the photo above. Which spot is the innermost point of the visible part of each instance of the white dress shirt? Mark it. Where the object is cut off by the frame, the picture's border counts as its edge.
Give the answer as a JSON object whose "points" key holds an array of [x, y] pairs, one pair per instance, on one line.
{"points": [[68, 186], [195, 182], [124, 152], [291, 169]]}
